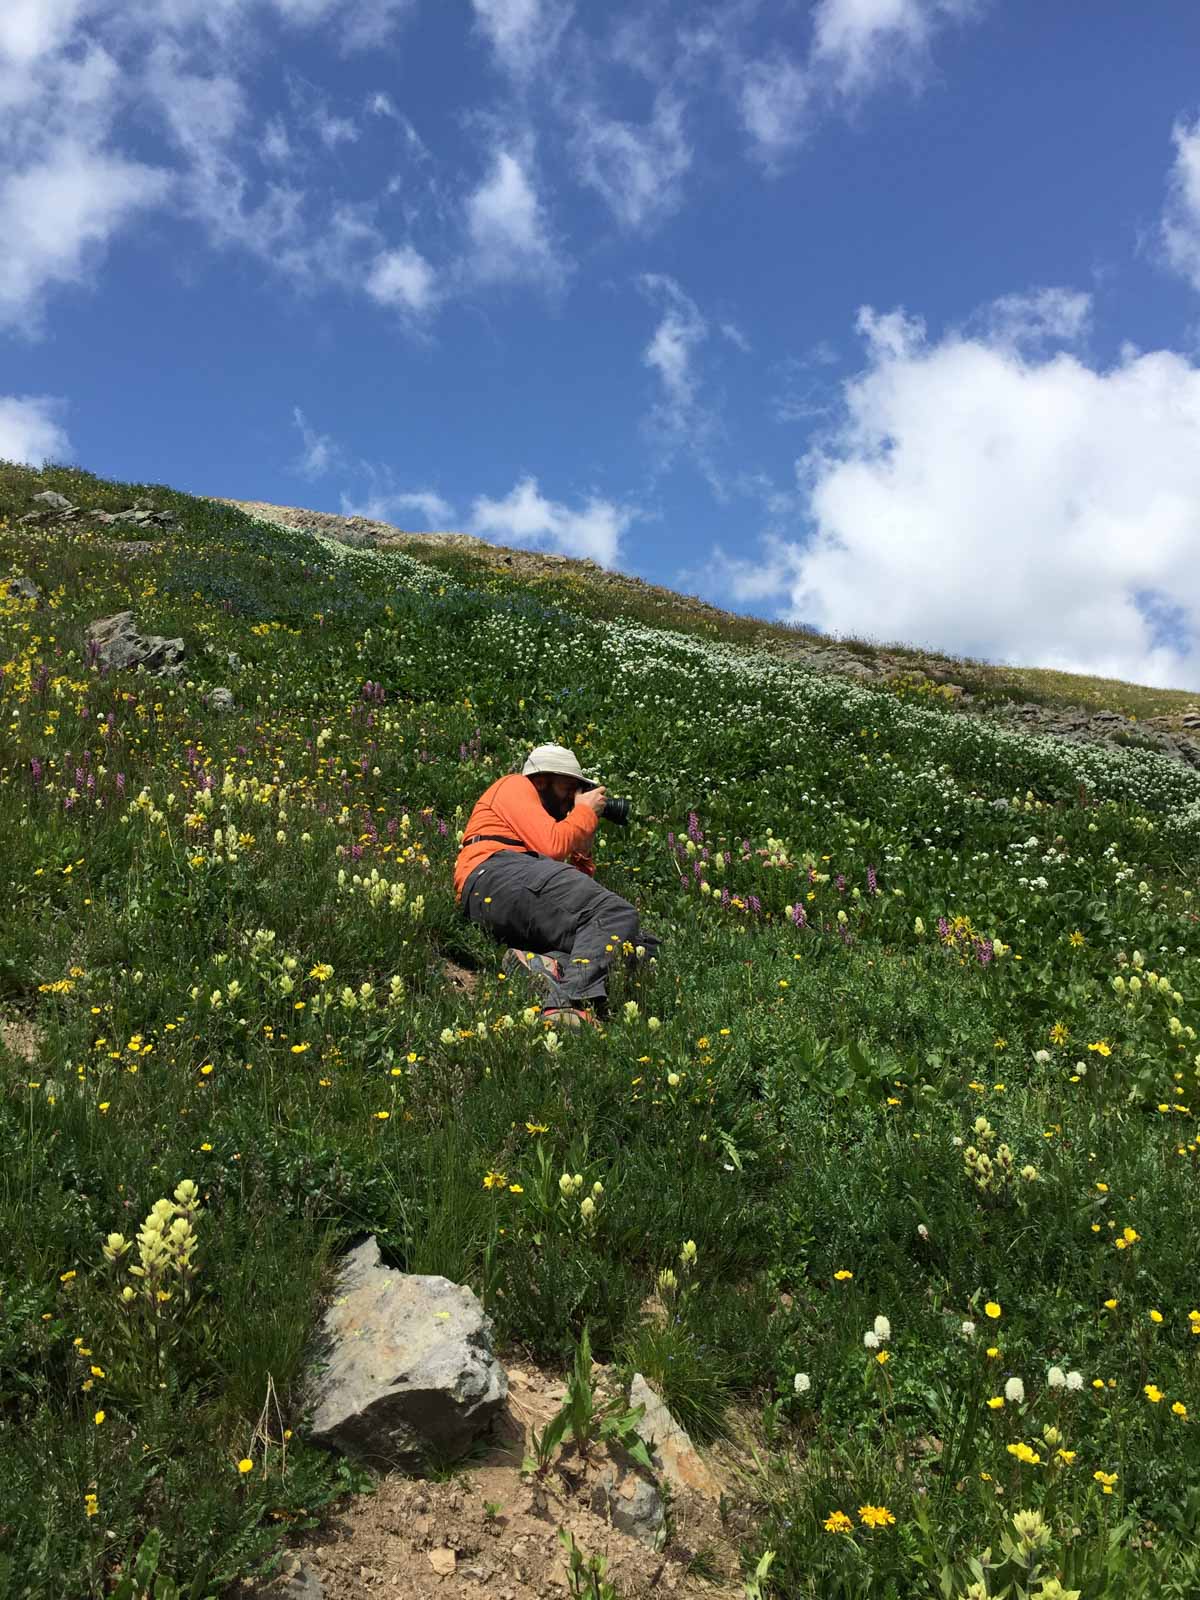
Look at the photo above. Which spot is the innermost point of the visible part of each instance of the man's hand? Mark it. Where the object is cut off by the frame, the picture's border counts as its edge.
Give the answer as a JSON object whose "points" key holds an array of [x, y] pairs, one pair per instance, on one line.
{"points": [[594, 798]]}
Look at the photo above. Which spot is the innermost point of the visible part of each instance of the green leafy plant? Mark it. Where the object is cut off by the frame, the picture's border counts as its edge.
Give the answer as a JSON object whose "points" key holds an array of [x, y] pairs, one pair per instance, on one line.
{"points": [[585, 1574]]}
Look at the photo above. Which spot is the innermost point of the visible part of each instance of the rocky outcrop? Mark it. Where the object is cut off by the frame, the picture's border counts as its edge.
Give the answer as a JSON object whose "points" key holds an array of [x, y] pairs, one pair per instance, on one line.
{"points": [[23, 589], [114, 643], [406, 1371], [55, 507]]}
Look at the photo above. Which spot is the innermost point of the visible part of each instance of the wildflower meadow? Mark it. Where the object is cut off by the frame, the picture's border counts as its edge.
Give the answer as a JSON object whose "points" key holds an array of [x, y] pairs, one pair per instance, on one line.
{"points": [[899, 1131]]}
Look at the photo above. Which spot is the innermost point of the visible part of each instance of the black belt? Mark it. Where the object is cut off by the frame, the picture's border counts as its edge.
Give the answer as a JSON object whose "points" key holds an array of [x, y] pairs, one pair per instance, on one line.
{"points": [[498, 838]]}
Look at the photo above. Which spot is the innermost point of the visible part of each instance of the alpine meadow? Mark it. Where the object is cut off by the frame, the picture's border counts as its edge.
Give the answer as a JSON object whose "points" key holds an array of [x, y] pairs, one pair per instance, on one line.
{"points": [[883, 1173]]}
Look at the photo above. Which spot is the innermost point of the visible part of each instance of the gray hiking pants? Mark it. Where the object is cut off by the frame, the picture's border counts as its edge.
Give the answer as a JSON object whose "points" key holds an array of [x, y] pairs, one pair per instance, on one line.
{"points": [[537, 903]]}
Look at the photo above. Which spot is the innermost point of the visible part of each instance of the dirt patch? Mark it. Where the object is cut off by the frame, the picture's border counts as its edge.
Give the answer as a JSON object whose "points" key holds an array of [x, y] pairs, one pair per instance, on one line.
{"points": [[487, 1532], [461, 978], [20, 1037]]}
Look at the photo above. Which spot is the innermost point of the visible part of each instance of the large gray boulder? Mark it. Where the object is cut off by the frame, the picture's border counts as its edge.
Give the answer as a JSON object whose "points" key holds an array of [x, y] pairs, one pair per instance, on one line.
{"points": [[118, 645], [405, 1371]]}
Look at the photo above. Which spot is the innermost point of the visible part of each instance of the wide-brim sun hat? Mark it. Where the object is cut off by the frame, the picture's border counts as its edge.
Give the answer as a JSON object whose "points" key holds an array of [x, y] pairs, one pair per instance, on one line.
{"points": [[556, 758]]}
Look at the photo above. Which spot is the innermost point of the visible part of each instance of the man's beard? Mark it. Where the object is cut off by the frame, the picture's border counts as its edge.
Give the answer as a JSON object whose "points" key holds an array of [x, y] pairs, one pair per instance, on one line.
{"points": [[557, 808]]}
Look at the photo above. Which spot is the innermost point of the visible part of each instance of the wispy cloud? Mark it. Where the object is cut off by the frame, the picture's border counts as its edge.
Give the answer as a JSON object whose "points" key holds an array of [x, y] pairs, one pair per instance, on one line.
{"points": [[679, 418], [404, 279], [321, 453], [636, 168], [526, 518], [522, 33], [507, 225], [856, 46], [1181, 219], [392, 504]]}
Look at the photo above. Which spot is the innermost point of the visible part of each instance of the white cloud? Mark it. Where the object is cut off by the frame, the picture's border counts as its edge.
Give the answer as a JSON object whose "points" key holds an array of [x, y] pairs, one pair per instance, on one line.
{"points": [[508, 227], [860, 42], [1028, 509], [333, 130], [1041, 317], [79, 79], [275, 146], [636, 169], [526, 518], [1181, 220], [523, 33], [680, 331], [321, 452], [30, 29], [731, 331], [58, 214], [679, 419], [775, 100], [367, 23], [389, 506], [403, 278], [856, 45], [29, 430]]}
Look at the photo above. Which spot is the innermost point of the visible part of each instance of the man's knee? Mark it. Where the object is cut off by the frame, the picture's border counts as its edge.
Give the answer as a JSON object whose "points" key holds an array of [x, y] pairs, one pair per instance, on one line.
{"points": [[617, 916]]}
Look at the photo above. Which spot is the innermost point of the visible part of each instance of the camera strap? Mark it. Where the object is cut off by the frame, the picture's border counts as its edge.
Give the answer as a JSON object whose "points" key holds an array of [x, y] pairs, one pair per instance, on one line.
{"points": [[498, 838]]}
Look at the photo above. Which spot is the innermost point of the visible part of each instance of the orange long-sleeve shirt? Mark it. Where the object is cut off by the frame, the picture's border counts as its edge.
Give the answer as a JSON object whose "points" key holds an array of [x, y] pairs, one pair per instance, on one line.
{"points": [[511, 807]]}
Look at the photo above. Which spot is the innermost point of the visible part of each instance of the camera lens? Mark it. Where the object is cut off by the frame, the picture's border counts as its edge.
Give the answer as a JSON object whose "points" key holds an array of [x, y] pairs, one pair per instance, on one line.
{"points": [[616, 810]]}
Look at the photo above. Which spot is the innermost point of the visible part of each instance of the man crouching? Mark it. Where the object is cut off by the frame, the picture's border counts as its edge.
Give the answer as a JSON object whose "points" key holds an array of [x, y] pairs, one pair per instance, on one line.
{"points": [[525, 873]]}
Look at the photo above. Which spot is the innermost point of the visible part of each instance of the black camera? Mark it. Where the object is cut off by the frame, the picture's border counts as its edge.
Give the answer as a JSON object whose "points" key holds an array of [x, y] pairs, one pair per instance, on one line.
{"points": [[616, 811]]}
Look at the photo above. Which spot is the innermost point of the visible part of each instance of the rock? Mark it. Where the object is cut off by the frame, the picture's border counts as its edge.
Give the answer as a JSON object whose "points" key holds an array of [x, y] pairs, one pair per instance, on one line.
{"points": [[295, 1582], [228, 658], [443, 1562], [406, 1368], [141, 515], [630, 1501], [220, 700], [24, 589], [115, 643], [56, 501], [674, 1455]]}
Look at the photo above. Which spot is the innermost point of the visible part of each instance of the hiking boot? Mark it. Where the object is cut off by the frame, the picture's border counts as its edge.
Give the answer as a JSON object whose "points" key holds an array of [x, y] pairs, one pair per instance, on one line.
{"points": [[568, 1017], [542, 972]]}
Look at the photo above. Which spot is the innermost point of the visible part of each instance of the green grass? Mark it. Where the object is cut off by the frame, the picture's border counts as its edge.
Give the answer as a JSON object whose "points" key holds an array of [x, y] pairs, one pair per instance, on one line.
{"points": [[796, 1101]]}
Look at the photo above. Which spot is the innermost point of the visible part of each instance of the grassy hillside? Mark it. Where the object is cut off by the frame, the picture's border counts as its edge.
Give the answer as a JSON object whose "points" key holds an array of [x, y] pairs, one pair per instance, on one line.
{"points": [[920, 1047]]}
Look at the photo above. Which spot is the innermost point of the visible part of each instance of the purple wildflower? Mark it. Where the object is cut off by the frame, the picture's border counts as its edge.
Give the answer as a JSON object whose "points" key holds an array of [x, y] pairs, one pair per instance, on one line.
{"points": [[872, 881], [841, 883], [35, 771], [798, 916]]}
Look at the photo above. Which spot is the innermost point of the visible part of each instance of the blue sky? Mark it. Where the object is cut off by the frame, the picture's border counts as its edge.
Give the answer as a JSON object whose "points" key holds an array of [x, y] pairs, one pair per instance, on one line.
{"points": [[880, 315]]}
